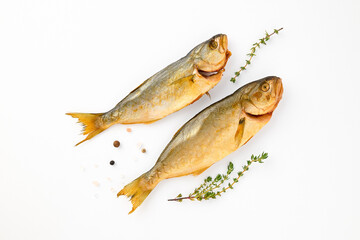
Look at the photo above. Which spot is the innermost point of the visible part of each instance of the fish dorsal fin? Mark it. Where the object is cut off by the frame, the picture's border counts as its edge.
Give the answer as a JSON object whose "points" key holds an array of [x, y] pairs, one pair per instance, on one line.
{"points": [[139, 86]]}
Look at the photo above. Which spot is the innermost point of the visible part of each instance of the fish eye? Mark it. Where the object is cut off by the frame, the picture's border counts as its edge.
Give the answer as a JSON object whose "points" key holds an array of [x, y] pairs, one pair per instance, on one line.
{"points": [[265, 87], [213, 44]]}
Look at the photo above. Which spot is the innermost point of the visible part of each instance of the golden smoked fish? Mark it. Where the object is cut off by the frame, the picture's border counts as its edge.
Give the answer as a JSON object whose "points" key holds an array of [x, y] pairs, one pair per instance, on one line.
{"points": [[176, 86], [211, 135]]}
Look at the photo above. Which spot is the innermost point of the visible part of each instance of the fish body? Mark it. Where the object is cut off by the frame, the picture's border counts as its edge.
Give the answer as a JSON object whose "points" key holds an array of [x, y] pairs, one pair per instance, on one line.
{"points": [[171, 89], [211, 135]]}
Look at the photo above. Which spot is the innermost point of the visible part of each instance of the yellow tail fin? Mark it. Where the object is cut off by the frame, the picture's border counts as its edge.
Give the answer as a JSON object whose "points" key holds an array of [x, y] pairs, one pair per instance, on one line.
{"points": [[92, 126], [137, 191]]}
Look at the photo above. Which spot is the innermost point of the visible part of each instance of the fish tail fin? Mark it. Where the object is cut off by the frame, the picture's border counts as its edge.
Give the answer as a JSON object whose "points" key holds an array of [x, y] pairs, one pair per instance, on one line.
{"points": [[137, 191], [92, 126]]}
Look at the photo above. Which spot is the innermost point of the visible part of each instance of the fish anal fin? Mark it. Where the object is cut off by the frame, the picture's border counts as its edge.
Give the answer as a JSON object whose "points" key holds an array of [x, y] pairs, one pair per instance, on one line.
{"points": [[196, 99], [198, 172], [151, 121], [247, 141]]}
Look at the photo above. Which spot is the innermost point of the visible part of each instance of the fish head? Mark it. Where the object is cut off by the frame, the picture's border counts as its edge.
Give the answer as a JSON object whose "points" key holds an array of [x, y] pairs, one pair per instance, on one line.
{"points": [[210, 57], [262, 97]]}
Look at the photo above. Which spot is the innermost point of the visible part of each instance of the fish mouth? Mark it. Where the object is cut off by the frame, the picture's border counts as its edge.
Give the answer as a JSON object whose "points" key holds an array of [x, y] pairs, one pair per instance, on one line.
{"points": [[278, 92], [223, 42], [279, 89], [207, 74]]}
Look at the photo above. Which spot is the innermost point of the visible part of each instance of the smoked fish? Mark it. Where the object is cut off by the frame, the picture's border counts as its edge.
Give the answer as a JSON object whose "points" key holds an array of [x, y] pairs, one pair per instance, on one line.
{"points": [[211, 135], [169, 90]]}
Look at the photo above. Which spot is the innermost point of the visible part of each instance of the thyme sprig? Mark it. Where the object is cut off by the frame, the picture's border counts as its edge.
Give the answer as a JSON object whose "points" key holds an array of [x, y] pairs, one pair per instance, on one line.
{"points": [[253, 50], [214, 187]]}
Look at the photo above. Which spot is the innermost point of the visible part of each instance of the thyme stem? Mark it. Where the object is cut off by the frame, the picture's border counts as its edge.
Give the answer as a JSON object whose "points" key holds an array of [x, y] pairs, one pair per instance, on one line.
{"points": [[253, 50], [207, 188]]}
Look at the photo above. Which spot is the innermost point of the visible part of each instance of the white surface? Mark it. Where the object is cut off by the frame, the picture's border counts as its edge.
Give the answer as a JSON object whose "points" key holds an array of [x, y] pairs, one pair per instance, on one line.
{"points": [[61, 56]]}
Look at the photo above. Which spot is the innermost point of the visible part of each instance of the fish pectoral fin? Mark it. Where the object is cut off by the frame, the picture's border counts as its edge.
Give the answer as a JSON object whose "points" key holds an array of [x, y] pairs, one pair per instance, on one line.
{"points": [[240, 131], [198, 172], [180, 81]]}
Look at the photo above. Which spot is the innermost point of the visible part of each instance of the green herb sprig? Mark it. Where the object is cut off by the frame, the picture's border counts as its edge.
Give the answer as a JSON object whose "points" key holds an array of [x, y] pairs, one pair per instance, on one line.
{"points": [[253, 50], [214, 187]]}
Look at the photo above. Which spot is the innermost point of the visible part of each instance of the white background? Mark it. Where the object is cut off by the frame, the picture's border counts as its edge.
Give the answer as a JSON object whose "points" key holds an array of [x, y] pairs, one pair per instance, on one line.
{"points": [[61, 56]]}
